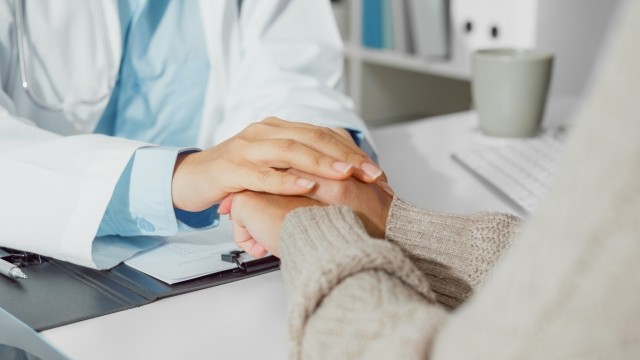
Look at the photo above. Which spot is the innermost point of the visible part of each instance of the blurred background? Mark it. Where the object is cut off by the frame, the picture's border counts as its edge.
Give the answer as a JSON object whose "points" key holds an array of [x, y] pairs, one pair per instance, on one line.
{"points": [[410, 59]]}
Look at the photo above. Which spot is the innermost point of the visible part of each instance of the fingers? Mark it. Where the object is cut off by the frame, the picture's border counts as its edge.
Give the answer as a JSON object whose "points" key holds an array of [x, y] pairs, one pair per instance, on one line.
{"points": [[322, 184], [323, 140], [267, 180], [344, 137], [256, 223], [331, 191], [246, 242], [287, 153]]}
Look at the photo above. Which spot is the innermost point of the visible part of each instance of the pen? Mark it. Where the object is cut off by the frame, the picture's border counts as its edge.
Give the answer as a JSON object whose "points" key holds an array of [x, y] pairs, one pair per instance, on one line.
{"points": [[10, 270]]}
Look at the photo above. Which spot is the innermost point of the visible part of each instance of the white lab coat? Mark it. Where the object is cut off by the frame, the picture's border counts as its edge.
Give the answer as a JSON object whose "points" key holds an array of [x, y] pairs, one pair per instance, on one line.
{"points": [[280, 58]]}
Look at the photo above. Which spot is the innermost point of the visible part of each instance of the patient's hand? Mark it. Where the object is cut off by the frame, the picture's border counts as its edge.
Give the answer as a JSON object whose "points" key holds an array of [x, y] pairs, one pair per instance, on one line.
{"points": [[370, 201], [258, 217]]}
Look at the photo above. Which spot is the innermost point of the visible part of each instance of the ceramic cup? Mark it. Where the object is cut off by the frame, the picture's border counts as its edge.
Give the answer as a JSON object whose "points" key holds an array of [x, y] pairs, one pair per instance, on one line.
{"points": [[509, 89]]}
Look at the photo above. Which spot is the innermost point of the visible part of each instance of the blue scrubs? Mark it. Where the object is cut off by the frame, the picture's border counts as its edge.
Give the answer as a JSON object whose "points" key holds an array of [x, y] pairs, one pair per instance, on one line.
{"points": [[158, 98]]}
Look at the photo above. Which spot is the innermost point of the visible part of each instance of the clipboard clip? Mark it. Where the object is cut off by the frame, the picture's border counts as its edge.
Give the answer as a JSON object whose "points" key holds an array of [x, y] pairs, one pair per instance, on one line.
{"points": [[248, 263]]}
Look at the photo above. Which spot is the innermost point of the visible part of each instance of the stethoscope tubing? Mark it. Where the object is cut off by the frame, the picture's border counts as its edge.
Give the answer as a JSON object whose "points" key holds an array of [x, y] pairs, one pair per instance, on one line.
{"points": [[24, 61]]}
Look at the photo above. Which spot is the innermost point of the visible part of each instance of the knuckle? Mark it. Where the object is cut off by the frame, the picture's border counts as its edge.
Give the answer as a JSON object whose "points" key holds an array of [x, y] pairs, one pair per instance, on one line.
{"points": [[238, 143], [320, 136], [340, 132], [327, 130], [256, 129], [320, 161], [288, 146], [239, 147], [270, 120], [352, 157]]}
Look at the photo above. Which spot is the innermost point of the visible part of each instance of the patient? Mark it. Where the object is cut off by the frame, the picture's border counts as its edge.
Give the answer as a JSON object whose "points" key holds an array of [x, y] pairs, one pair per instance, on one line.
{"points": [[567, 286]]}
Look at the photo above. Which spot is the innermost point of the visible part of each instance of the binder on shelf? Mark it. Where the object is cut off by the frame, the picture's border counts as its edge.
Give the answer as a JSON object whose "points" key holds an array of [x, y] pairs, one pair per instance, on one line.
{"points": [[430, 27], [387, 25], [59, 293], [401, 27], [372, 23]]}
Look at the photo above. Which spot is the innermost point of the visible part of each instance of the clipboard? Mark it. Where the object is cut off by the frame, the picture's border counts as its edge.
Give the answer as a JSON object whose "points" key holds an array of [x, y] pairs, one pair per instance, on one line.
{"points": [[59, 293]]}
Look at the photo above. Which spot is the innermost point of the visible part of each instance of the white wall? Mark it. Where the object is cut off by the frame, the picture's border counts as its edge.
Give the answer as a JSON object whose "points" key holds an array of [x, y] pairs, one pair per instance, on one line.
{"points": [[574, 30]]}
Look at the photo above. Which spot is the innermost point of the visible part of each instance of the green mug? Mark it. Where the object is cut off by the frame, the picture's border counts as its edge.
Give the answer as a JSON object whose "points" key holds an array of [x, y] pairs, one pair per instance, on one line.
{"points": [[509, 89]]}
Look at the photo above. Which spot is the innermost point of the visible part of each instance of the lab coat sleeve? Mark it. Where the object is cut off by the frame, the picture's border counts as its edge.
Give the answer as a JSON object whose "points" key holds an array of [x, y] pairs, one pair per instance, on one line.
{"points": [[55, 189], [287, 61]]}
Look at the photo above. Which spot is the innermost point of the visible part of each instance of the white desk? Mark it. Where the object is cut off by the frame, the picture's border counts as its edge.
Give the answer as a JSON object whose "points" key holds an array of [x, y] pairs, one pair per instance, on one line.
{"points": [[416, 157], [246, 319]]}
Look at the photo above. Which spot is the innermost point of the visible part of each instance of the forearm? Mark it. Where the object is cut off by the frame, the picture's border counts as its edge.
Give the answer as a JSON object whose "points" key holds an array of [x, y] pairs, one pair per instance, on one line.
{"points": [[455, 252], [340, 281]]}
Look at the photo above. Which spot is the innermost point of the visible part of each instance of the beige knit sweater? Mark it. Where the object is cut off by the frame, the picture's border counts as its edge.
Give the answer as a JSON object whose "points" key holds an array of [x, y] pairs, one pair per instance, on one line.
{"points": [[568, 288]]}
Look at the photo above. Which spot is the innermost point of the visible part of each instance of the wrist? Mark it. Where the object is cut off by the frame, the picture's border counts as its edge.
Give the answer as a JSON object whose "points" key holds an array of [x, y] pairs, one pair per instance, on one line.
{"points": [[176, 183], [185, 192]]}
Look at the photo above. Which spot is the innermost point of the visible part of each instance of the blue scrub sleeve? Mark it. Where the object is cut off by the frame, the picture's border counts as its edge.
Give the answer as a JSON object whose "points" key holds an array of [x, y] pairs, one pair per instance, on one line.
{"points": [[141, 203], [361, 141]]}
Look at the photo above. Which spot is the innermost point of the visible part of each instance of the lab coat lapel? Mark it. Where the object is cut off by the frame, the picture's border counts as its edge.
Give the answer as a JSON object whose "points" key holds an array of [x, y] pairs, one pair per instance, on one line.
{"points": [[219, 22], [112, 20]]}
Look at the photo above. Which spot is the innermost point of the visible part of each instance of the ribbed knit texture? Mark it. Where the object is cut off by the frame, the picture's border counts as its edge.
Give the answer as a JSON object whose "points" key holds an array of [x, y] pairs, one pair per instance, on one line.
{"points": [[454, 252], [321, 247]]}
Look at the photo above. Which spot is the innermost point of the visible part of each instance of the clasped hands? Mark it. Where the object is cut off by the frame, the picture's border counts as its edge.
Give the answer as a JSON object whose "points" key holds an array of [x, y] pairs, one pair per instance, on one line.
{"points": [[274, 167]]}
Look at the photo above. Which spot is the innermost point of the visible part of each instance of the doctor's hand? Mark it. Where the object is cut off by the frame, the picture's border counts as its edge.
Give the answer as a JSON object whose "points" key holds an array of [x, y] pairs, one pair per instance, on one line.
{"points": [[258, 217], [254, 158]]}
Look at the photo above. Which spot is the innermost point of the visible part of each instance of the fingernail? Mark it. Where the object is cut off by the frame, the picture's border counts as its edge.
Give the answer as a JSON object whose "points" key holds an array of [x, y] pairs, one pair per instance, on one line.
{"points": [[342, 167], [371, 170], [307, 184]]}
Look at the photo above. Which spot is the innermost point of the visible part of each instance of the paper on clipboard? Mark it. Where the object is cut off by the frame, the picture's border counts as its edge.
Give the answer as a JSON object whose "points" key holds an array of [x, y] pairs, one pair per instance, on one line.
{"points": [[188, 256]]}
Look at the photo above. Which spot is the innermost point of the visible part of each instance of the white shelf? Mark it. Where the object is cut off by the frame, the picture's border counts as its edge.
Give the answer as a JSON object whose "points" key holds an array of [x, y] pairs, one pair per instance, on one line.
{"points": [[407, 62], [389, 86]]}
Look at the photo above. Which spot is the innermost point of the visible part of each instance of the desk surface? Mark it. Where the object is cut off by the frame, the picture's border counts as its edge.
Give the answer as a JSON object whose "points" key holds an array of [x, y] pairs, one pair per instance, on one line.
{"points": [[416, 157], [246, 319]]}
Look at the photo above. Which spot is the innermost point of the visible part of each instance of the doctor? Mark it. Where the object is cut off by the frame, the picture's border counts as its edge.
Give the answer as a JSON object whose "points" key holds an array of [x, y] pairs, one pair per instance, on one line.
{"points": [[180, 74]]}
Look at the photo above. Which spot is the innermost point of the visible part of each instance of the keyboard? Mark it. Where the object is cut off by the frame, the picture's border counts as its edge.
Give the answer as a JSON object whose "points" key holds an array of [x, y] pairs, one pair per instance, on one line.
{"points": [[521, 169]]}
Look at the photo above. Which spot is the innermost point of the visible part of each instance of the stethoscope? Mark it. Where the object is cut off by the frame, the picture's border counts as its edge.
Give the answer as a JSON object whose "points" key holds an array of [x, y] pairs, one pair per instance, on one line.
{"points": [[24, 62]]}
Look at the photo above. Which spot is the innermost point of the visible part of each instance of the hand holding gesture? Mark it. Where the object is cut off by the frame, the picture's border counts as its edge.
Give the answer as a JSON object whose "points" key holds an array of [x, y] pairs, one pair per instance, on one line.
{"points": [[254, 158]]}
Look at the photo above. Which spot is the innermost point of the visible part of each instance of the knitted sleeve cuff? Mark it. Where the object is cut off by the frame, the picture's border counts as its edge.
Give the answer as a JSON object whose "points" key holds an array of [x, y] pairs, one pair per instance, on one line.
{"points": [[321, 246], [455, 252]]}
